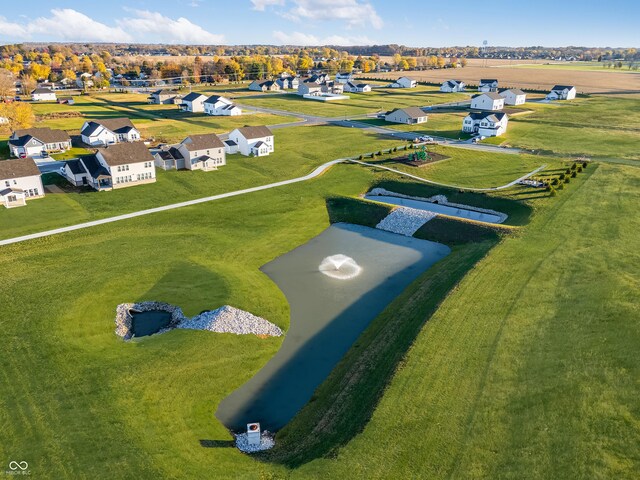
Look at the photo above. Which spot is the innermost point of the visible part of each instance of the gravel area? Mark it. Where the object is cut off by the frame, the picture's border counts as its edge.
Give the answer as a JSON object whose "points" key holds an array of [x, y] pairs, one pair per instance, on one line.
{"points": [[124, 319], [266, 442], [228, 319], [405, 221]]}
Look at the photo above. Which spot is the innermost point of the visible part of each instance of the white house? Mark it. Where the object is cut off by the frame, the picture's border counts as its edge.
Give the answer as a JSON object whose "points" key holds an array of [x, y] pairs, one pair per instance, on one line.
{"points": [[404, 82], [488, 85], [119, 166], [109, 131], [193, 102], [19, 181], [487, 101], [264, 86], [202, 152], [75, 172], [169, 158], [513, 96], [288, 83], [32, 142], [217, 105], [409, 115], [230, 147], [255, 141], [562, 92], [309, 88], [357, 88], [43, 95], [84, 80], [165, 97], [451, 86], [344, 77], [488, 124]]}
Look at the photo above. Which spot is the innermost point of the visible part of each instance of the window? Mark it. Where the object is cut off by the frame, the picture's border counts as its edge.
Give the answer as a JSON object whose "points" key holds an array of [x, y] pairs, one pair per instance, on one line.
{"points": [[7, 183], [35, 190], [127, 167]]}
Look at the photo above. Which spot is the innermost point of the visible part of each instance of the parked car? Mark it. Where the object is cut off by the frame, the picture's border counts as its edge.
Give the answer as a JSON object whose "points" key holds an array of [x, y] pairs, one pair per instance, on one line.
{"points": [[45, 154]]}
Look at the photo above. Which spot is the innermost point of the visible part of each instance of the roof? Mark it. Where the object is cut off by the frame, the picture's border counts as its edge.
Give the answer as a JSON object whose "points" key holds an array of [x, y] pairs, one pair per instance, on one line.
{"points": [[562, 87], [202, 142], [192, 96], [255, 132], [453, 83], [362, 85], [116, 125], [492, 116], [515, 91], [125, 152], [216, 99], [230, 143], [488, 80], [491, 95], [9, 190], [44, 134], [75, 166], [65, 98], [411, 112], [18, 168], [42, 90], [164, 92], [171, 154], [94, 168]]}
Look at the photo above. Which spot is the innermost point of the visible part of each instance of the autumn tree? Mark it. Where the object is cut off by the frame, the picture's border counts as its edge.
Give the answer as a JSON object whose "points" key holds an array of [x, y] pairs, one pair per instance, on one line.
{"points": [[19, 115], [7, 84], [27, 83]]}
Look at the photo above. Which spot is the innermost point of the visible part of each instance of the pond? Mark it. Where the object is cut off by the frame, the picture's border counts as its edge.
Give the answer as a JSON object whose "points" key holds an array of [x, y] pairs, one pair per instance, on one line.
{"points": [[437, 208], [336, 284], [149, 322]]}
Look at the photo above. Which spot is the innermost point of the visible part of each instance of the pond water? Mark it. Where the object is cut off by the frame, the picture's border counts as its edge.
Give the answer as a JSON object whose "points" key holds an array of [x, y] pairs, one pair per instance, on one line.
{"points": [[437, 208], [363, 270], [148, 323]]}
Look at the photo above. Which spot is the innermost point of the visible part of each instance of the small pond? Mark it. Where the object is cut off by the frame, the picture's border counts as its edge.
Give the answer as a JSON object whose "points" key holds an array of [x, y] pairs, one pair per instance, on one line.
{"points": [[150, 322], [336, 284], [437, 208]]}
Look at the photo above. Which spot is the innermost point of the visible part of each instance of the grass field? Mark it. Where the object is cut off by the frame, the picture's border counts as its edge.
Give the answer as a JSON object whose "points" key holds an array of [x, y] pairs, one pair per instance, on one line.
{"points": [[441, 124]]}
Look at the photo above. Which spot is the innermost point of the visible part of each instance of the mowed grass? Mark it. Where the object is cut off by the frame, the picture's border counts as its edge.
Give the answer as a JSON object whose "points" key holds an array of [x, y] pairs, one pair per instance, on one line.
{"points": [[382, 99], [440, 124], [595, 127], [290, 160]]}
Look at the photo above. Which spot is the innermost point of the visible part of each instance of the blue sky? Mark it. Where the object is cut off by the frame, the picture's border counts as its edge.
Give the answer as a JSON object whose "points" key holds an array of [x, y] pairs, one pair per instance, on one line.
{"points": [[312, 22]]}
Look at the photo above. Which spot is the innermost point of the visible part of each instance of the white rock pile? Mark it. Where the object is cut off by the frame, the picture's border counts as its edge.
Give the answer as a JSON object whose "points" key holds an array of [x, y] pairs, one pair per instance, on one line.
{"points": [[228, 319], [405, 221], [266, 442]]}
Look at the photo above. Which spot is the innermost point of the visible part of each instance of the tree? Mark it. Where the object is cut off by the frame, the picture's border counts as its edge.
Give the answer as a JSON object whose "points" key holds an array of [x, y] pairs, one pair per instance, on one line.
{"points": [[403, 65], [19, 115], [441, 62], [463, 62], [40, 72], [7, 84], [28, 84]]}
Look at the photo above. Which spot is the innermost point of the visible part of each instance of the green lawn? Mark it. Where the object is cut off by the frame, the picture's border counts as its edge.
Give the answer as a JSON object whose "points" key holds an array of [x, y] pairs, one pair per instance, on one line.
{"points": [[441, 124], [360, 103]]}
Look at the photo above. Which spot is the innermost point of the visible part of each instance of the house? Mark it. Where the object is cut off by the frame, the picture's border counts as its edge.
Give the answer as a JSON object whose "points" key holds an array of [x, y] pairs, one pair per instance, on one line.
{"points": [[404, 82], [119, 166], [513, 96], [288, 83], [32, 142], [309, 88], [264, 86], [66, 100], [451, 86], [19, 181], [319, 78], [217, 105], [230, 147], [487, 101], [193, 102], [488, 85], [165, 97], [487, 124], [202, 152], [169, 158], [43, 95], [84, 80], [562, 92], [253, 141], [357, 88], [75, 172], [344, 77], [332, 87], [409, 115], [109, 131]]}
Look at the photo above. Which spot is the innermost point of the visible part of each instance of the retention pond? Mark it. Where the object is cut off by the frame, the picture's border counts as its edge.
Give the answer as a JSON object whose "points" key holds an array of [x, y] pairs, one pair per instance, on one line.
{"points": [[336, 284]]}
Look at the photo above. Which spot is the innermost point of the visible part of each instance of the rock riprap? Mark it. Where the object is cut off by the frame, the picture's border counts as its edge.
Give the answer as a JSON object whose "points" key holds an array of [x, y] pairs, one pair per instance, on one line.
{"points": [[266, 442], [405, 221]]}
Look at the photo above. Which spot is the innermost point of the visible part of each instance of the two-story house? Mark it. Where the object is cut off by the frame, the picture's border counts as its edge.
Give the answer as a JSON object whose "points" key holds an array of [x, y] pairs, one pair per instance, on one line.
{"points": [[19, 181], [487, 101], [253, 141], [109, 131], [217, 105], [488, 85], [513, 96], [562, 92], [451, 86], [202, 152], [487, 124], [193, 102]]}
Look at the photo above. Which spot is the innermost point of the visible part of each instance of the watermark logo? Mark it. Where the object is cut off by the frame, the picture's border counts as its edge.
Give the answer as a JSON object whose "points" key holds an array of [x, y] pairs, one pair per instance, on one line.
{"points": [[18, 468]]}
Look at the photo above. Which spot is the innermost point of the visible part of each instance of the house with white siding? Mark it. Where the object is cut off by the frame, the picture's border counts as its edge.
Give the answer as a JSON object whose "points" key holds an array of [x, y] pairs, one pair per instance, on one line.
{"points": [[217, 105], [309, 88], [288, 83], [193, 102], [75, 172], [409, 116], [109, 131], [253, 141], [165, 97], [264, 86], [404, 82], [513, 96], [43, 95], [487, 124], [488, 85], [487, 101], [119, 166], [202, 152], [33, 142], [344, 77], [356, 87], [451, 86], [19, 181], [562, 92]]}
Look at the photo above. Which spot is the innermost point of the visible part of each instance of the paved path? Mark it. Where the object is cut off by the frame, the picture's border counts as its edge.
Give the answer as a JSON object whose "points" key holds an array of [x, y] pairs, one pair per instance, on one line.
{"points": [[318, 171]]}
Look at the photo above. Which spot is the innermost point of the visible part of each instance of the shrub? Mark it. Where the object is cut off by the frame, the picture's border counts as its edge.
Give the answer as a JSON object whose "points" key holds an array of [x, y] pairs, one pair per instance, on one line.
{"points": [[573, 174], [584, 164], [380, 152], [561, 176], [560, 186], [552, 192], [361, 157], [567, 180], [574, 166], [579, 169], [554, 181], [568, 171]]}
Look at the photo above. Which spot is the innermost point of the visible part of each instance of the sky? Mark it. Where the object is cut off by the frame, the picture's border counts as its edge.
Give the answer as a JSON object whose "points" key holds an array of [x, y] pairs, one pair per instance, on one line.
{"points": [[416, 23]]}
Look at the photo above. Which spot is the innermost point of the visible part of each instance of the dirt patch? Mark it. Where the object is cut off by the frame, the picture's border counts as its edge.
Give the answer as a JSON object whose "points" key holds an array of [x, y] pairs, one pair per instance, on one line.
{"points": [[50, 116]]}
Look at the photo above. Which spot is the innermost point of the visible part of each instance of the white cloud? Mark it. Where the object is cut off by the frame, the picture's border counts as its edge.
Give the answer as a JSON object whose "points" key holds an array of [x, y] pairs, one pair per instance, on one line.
{"points": [[354, 12], [260, 5], [304, 39], [153, 26], [143, 26]]}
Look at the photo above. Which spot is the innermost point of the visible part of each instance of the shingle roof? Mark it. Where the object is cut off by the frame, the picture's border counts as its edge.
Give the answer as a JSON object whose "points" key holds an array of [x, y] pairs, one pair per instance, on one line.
{"points": [[411, 112], [44, 134], [562, 87], [255, 132], [515, 91], [93, 166], [17, 168], [488, 80], [231, 143], [75, 166], [171, 154], [202, 142], [497, 116], [116, 125], [42, 90], [192, 96], [125, 152], [491, 95]]}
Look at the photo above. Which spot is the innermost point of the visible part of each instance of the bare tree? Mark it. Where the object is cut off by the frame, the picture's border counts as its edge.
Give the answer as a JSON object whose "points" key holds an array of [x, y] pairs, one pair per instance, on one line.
{"points": [[7, 84]]}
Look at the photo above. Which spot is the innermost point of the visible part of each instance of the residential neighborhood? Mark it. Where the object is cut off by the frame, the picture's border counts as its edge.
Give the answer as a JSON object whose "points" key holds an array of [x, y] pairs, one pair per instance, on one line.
{"points": [[109, 131]]}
